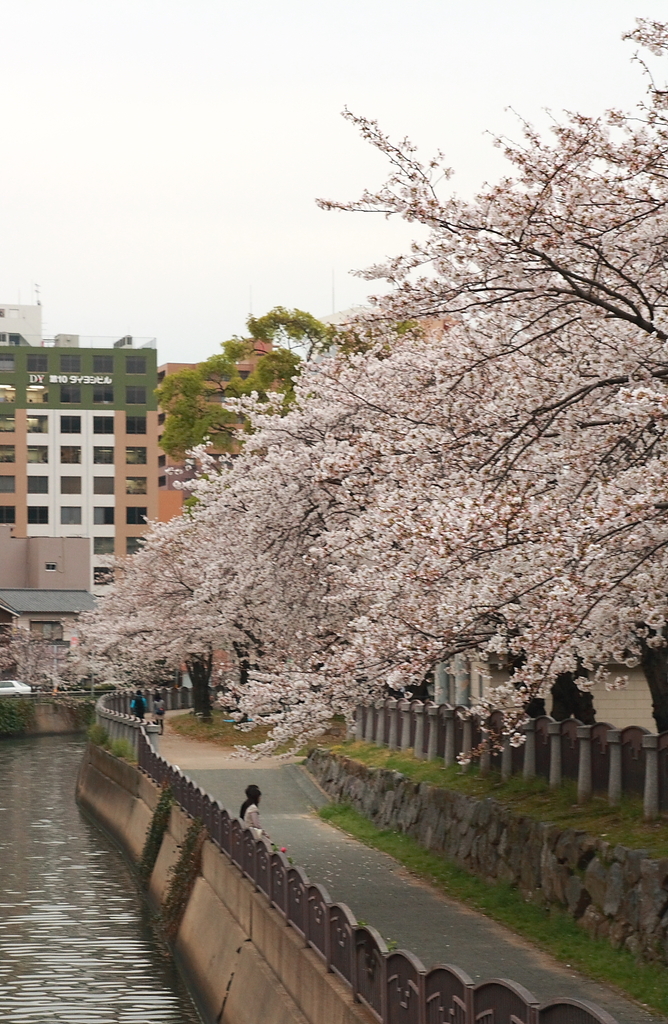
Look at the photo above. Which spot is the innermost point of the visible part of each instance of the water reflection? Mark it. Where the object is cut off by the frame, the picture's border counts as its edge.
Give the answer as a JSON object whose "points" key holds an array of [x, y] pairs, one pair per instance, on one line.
{"points": [[76, 940]]}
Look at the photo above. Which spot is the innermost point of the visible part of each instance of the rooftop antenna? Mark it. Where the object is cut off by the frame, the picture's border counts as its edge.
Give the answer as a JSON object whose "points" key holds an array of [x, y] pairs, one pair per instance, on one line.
{"points": [[37, 298]]}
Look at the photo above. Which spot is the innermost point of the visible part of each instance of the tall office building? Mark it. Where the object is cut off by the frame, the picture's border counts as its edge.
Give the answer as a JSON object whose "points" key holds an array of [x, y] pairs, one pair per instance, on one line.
{"points": [[78, 435]]}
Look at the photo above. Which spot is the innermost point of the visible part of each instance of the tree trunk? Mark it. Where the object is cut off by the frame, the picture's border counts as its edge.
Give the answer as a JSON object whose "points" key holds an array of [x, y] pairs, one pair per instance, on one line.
{"points": [[654, 663], [199, 669], [568, 700]]}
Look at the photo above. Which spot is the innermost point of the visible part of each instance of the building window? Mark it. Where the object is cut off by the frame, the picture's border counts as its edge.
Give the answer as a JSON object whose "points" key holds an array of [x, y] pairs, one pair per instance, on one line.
{"points": [[103, 485], [70, 485], [37, 364], [7, 393], [102, 574], [135, 425], [135, 516], [50, 566], [6, 421], [103, 424], [14, 339], [103, 545], [70, 515], [162, 460], [7, 514], [38, 485], [70, 454], [70, 424], [70, 364], [36, 394], [162, 481], [103, 516], [38, 424], [7, 484], [70, 394], [103, 364], [47, 630], [6, 363], [7, 453], [134, 395], [103, 396], [161, 418], [38, 453], [135, 456], [135, 364], [103, 456], [135, 485], [38, 515], [133, 544]]}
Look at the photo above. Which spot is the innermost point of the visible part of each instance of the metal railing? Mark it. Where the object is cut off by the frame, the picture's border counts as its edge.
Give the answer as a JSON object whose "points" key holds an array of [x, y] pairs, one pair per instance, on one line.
{"points": [[112, 712], [394, 985], [602, 760]]}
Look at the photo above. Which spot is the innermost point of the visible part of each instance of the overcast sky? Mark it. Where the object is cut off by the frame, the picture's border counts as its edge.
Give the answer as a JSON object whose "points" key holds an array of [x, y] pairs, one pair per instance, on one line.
{"points": [[161, 158]]}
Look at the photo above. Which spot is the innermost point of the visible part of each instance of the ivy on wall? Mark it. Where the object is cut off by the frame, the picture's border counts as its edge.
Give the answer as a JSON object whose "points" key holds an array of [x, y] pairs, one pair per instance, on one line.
{"points": [[184, 875], [16, 715], [154, 836]]}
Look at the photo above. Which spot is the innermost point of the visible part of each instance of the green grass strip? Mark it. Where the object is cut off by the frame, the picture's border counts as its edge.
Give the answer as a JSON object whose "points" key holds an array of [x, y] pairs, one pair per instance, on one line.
{"points": [[551, 929]]}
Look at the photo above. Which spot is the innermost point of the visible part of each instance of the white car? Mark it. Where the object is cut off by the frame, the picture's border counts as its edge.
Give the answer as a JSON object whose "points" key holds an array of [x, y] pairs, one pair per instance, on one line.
{"points": [[13, 688]]}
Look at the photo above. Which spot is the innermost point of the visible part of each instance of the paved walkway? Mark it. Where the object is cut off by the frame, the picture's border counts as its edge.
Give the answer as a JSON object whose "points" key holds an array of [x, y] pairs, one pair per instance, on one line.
{"points": [[378, 890]]}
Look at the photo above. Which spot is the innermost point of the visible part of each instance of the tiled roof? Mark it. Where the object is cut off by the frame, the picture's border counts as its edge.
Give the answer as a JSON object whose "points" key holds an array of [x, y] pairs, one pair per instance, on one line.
{"points": [[52, 601]]}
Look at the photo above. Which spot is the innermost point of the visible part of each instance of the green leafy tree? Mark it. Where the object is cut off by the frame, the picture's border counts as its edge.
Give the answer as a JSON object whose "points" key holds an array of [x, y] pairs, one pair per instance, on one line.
{"points": [[194, 399]]}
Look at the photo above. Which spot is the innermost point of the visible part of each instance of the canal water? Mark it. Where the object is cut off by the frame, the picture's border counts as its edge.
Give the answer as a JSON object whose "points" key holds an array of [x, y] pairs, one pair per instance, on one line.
{"points": [[76, 940]]}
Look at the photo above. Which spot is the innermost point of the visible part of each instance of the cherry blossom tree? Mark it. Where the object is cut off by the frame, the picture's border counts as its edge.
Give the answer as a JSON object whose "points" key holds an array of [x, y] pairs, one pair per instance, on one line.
{"points": [[151, 619], [33, 659], [556, 278], [481, 467]]}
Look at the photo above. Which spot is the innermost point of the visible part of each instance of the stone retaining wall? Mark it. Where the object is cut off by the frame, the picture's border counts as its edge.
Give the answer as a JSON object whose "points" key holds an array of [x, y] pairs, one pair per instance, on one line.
{"points": [[615, 893]]}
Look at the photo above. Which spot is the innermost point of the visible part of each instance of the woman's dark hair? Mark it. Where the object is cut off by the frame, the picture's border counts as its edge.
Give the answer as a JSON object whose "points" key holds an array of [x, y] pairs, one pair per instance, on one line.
{"points": [[253, 795]]}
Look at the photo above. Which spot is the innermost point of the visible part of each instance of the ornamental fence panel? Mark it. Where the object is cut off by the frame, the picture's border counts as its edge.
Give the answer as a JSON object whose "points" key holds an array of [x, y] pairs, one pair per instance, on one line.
{"points": [[633, 759], [297, 888], [404, 988], [600, 757], [570, 748], [370, 959], [394, 986], [542, 745], [502, 1000]]}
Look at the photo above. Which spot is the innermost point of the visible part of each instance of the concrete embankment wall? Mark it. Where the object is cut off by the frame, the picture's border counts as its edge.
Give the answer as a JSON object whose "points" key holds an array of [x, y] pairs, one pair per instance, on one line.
{"points": [[53, 720], [614, 892], [241, 961]]}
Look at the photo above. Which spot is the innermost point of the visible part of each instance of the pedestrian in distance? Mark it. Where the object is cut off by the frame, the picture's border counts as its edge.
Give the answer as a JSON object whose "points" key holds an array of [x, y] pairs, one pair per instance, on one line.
{"points": [[138, 705], [159, 713], [250, 813]]}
